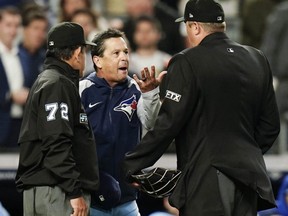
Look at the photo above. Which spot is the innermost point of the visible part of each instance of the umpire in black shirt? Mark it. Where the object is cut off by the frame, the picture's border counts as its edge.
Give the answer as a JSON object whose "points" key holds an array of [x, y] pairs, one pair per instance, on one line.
{"points": [[220, 108], [58, 164]]}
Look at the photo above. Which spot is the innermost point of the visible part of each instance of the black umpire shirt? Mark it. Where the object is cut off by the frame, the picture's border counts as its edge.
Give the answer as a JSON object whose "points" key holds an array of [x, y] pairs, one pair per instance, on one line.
{"points": [[220, 107], [56, 144]]}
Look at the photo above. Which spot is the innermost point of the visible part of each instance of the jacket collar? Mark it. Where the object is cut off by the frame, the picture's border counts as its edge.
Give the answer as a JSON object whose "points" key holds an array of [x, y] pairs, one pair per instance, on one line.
{"points": [[63, 68], [213, 37]]}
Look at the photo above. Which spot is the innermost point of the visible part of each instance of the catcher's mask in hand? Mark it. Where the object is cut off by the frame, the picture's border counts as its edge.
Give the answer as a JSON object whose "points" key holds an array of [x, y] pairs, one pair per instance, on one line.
{"points": [[157, 182]]}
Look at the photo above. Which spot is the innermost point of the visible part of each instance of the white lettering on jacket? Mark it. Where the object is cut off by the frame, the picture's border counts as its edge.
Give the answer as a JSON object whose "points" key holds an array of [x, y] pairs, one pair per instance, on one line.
{"points": [[172, 96]]}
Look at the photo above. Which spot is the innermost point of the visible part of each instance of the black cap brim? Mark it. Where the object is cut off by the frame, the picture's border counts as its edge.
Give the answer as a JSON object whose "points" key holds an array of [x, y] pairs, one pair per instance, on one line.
{"points": [[180, 19]]}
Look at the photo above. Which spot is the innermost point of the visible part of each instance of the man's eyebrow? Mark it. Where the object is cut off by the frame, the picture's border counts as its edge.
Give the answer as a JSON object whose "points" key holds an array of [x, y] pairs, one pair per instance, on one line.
{"points": [[115, 50]]}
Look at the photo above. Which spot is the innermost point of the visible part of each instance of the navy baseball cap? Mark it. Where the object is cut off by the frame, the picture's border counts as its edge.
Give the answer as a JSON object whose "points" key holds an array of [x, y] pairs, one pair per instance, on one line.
{"points": [[66, 34], [206, 11], [109, 193]]}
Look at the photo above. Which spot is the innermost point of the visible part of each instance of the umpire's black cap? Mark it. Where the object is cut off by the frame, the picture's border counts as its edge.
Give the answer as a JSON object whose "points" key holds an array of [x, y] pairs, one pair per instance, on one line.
{"points": [[207, 11], [66, 34]]}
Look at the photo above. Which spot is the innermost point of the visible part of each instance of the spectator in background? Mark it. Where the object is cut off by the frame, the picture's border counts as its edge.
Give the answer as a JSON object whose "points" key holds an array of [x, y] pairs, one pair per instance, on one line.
{"points": [[68, 7], [171, 3], [88, 20], [275, 46], [13, 92], [81, 12], [171, 39], [32, 46], [146, 38], [254, 14]]}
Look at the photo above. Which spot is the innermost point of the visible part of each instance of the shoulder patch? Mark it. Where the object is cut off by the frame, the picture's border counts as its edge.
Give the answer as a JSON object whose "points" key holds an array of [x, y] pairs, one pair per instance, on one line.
{"points": [[83, 118], [172, 96]]}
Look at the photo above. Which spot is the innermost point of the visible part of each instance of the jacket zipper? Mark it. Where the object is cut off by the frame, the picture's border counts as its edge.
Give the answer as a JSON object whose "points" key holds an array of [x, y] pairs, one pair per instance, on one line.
{"points": [[110, 98], [110, 119]]}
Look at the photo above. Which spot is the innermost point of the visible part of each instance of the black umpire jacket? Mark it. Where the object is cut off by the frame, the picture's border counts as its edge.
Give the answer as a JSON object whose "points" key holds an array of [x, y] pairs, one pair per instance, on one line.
{"points": [[220, 107], [56, 144]]}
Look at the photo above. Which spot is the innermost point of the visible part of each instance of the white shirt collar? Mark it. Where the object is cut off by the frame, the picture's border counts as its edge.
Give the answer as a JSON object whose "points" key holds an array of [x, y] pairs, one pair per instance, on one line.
{"points": [[4, 49]]}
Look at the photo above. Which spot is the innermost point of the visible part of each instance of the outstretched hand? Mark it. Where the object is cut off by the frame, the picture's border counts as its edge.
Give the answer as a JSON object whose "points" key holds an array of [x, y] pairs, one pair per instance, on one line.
{"points": [[148, 80]]}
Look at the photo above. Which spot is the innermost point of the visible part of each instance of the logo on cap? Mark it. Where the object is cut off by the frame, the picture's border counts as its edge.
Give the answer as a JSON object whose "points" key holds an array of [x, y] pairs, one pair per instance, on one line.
{"points": [[51, 43], [219, 18], [230, 50], [191, 15]]}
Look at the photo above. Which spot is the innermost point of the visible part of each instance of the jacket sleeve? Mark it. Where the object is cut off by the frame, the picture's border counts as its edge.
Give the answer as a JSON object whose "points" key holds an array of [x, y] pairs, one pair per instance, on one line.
{"points": [[148, 108], [268, 126], [57, 107], [176, 108]]}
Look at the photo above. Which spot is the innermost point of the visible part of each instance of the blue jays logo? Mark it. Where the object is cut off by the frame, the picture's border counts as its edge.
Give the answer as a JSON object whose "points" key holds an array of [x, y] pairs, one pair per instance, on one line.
{"points": [[128, 107]]}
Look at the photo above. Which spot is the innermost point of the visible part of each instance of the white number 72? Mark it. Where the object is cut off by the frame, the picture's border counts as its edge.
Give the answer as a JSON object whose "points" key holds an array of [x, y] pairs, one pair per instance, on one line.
{"points": [[53, 107]]}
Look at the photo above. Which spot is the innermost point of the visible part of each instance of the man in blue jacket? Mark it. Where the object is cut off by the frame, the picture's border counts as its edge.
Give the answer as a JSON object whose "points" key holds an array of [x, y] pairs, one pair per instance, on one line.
{"points": [[118, 109]]}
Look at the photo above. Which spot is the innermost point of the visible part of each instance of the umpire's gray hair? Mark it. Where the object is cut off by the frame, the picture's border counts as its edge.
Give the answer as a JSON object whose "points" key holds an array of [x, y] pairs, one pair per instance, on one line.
{"points": [[213, 27]]}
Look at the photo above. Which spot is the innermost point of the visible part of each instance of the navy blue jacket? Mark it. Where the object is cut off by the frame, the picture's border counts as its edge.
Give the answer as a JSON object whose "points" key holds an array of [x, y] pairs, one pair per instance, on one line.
{"points": [[116, 116], [31, 66], [5, 100], [5, 104]]}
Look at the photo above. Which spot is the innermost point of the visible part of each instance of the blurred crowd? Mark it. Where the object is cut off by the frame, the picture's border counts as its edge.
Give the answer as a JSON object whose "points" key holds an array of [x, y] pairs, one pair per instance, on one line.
{"points": [[153, 38], [151, 33]]}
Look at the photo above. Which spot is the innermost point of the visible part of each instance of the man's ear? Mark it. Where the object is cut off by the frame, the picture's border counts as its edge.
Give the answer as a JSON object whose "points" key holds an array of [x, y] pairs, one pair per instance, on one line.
{"points": [[97, 61], [77, 52], [196, 28]]}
